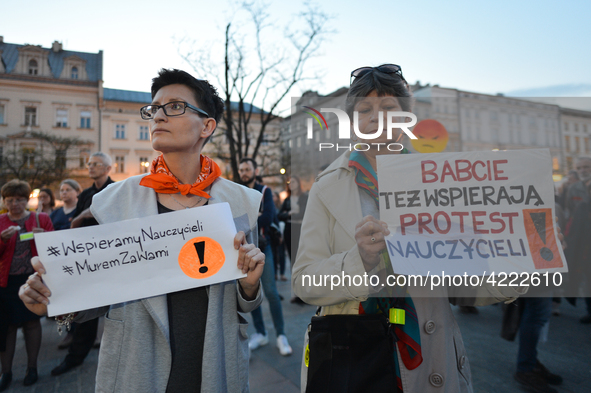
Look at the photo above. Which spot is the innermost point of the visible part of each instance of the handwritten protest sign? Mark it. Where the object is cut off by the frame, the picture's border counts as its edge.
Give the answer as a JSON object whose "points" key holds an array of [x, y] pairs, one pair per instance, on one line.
{"points": [[134, 259], [473, 212]]}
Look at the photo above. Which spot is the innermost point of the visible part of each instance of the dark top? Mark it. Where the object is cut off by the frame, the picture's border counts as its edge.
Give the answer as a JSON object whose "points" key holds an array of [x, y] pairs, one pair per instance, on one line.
{"points": [[286, 208], [267, 208], [85, 200], [187, 316], [61, 220]]}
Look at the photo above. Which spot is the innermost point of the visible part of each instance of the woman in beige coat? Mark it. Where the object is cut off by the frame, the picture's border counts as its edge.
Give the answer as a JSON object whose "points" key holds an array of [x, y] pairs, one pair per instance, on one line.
{"points": [[342, 233]]}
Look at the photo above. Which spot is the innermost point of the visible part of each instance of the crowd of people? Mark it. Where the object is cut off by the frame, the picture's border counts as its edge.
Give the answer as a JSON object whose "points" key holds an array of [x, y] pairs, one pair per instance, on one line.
{"points": [[195, 340], [17, 249]]}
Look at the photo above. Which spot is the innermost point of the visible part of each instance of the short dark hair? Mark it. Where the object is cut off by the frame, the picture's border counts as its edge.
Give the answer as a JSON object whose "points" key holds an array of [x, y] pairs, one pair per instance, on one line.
{"points": [[51, 196], [16, 188], [248, 159], [205, 94], [383, 84]]}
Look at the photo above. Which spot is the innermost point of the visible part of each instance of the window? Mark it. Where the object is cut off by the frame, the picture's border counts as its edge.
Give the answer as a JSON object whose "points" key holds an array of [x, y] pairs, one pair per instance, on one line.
{"points": [[60, 159], [144, 164], [120, 131], [85, 119], [28, 157], [567, 143], [2, 114], [144, 134], [74, 73], [61, 117], [119, 164], [577, 145], [84, 156], [30, 116], [33, 67]]}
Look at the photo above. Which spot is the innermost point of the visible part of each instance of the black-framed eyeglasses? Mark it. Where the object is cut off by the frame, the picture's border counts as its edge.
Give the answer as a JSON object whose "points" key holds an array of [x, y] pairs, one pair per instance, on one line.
{"points": [[385, 68], [11, 200], [174, 108], [94, 164]]}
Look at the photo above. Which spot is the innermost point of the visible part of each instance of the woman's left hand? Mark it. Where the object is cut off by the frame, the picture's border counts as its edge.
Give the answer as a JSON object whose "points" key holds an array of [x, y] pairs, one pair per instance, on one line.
{"points": [[251, 261]]}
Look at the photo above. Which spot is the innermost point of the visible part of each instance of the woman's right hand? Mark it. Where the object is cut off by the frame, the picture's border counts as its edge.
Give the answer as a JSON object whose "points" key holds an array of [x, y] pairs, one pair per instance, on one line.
{"points": [[370, 236], [8, 232], [34, 293]]}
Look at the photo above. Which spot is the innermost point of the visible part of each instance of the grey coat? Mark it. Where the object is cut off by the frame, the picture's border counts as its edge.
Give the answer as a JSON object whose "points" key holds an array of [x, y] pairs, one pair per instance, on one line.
{"points": [[135, 353]]}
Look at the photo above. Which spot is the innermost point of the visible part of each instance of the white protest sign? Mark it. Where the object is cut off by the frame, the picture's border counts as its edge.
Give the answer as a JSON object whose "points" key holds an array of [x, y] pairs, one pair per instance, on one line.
{"points": [[472, 212], [139, 258]]}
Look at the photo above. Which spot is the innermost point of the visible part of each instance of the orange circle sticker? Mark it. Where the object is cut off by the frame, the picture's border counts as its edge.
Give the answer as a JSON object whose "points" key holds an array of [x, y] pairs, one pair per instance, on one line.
{"points": [[201, 257]]}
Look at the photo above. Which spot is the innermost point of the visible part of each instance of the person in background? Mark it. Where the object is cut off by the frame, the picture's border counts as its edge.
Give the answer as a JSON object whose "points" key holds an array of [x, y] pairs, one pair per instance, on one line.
{"points": [[279, 246], [571, 178], [62, 217], [292, 212], [248, 170], [578, 227], [16, 252], [84, 334], [46, 201]]}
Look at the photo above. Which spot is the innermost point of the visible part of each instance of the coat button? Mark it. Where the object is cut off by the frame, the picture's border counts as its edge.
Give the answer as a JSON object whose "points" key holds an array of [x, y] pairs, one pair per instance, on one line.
{"points": [[462, 362], [430, 327], [436, 380]]}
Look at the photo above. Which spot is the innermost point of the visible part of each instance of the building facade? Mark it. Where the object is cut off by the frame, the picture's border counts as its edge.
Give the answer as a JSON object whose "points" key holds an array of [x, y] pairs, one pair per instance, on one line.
{"points": [[474, 122], [55, 94], [52, 94]]}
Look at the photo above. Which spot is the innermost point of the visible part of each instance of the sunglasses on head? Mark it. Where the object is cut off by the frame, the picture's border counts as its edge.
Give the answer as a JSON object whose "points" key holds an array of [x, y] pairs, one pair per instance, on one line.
{"points": [[385, 68]]}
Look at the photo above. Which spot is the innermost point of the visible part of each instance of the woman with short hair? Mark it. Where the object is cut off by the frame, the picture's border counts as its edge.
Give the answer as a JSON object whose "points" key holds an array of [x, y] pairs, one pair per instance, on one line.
{"points": [[192, 340], [16, 250]]}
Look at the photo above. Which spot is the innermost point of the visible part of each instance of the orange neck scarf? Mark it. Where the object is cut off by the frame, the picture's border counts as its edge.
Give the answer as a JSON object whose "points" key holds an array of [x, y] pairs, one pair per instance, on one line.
{"points": [[163, 181]]}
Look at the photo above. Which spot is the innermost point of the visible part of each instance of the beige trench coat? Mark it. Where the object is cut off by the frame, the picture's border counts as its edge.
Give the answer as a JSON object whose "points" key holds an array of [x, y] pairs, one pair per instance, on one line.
{"points": [[328, 247]]}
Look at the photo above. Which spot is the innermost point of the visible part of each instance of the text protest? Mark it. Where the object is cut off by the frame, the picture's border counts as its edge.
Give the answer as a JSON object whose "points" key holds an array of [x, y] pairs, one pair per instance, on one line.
{"points": [[470, 212], [134, 259]]}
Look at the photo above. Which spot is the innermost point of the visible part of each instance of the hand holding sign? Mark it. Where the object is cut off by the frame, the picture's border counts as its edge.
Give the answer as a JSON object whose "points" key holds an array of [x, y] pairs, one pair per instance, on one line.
{"points": [[369, 235], [251, 261], [35, 293], [144, 257]]}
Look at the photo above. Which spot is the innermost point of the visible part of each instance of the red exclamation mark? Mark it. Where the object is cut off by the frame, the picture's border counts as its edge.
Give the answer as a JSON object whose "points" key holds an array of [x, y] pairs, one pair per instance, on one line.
{"points": [[541, 238]]}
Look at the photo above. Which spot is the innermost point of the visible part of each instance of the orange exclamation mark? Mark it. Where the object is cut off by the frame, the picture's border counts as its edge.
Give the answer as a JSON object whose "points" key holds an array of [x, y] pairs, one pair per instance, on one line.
{"points": [[541, 238]]}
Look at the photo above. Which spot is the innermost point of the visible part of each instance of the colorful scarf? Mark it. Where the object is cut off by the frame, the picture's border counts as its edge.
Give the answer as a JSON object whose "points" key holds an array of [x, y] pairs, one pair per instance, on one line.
{"points": [[408, 335], [163, 181]]}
